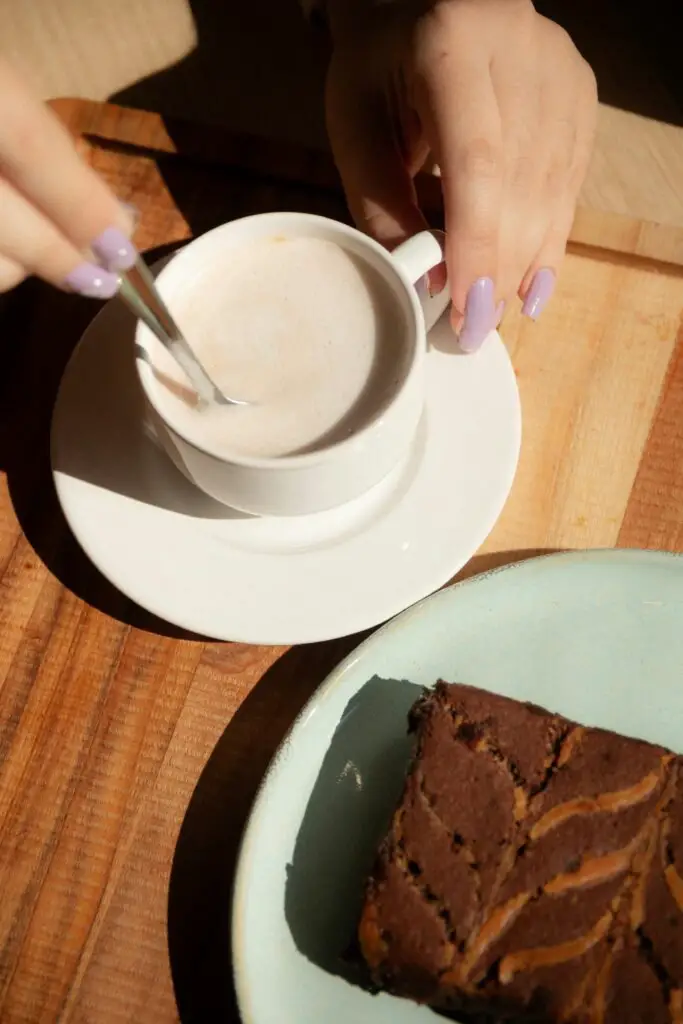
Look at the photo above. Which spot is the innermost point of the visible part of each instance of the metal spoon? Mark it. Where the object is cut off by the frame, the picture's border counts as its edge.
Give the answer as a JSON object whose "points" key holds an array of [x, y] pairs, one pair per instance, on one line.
{"points": [[139, 291]]}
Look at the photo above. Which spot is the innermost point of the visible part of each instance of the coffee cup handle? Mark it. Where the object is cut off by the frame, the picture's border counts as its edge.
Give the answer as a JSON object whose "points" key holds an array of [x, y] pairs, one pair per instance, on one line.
{"points": [[416, 256]]}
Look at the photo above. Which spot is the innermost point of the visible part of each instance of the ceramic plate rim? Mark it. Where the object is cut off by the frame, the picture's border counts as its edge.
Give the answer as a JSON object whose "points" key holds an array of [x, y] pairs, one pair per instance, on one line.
{"points": [[337, 677]]}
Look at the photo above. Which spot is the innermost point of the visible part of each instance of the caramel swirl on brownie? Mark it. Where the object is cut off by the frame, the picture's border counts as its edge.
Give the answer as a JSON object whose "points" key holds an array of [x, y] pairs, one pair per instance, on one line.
{"points": [[533, 870]]}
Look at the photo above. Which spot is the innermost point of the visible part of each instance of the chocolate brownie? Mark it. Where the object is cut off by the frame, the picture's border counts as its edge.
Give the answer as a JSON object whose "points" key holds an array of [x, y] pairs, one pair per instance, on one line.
{"points": [[533, 870]]}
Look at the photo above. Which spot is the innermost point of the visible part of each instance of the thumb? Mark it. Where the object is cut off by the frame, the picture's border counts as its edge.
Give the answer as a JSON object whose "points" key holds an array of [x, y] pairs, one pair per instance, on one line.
{"points": [[377, 183]]}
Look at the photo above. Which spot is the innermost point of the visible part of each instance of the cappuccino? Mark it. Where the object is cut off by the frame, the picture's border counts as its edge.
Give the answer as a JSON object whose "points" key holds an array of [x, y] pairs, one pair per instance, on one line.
{"points": [[310, 335]]}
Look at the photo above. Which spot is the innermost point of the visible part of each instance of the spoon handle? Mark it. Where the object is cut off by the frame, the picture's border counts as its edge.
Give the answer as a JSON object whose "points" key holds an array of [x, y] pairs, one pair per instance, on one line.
{"points": [[140, 293]]}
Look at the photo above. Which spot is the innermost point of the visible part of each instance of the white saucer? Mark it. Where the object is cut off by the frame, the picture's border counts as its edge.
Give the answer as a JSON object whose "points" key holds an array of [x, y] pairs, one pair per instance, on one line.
{"points": [[219, 573]]}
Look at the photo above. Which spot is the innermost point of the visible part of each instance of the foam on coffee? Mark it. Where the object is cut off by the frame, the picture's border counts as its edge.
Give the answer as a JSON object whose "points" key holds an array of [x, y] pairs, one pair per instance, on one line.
{"points": [[308, 333]]}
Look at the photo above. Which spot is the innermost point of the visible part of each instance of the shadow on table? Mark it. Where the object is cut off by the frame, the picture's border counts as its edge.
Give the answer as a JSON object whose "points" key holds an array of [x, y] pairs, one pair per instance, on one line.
{"points": [[255, 67], [39, 329], [349, 808], [200, 887]]}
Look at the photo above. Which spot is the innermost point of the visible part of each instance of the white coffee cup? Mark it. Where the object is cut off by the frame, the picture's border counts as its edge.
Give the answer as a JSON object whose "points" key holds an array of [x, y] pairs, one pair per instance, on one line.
{"points": [[324, 478]]}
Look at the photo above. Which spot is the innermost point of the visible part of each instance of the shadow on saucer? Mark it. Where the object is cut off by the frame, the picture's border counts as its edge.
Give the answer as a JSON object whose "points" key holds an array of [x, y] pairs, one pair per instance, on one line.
{"points": [[200, 887], [357, 789], [443, 338], [102, 395], [101, 399]]}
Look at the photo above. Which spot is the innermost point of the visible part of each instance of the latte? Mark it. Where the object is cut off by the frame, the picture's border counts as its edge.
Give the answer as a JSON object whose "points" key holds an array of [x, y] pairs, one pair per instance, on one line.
{"points": [[311, 335]]}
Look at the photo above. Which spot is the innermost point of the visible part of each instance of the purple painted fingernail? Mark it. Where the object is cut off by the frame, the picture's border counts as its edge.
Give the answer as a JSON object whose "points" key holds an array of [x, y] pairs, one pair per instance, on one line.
{"points": [[114, 250], [480, 315], [92, 281], [542, 287]]}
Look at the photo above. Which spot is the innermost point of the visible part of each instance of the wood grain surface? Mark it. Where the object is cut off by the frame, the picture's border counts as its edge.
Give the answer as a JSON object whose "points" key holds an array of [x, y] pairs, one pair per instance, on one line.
{"points": [[130, 753]]}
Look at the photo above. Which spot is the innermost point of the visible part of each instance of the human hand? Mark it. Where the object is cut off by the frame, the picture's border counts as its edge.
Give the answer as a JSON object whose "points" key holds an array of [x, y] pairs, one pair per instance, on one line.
{"points": [[505, 104], [59, 220]]}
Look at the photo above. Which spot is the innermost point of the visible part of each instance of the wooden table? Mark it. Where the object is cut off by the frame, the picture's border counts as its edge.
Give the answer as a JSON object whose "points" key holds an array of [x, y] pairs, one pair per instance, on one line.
{"points": [[130, 753]]}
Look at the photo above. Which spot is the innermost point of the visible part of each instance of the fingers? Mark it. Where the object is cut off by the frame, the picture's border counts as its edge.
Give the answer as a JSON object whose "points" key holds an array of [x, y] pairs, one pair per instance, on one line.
{"points": [[508, 106], [31, 243], [458, 107], [537, 212], [467, 140], [54, 207], [539, 279], [378, 186], [525, 193], [38, 158]]}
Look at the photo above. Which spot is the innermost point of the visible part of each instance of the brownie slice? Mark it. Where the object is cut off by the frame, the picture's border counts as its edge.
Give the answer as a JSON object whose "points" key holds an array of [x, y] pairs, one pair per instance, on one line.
{"points": [[533, 870]]}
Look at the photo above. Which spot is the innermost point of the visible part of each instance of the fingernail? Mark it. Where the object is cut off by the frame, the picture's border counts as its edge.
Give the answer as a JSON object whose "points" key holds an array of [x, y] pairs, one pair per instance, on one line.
{"points": [[436, 280], [92, 281], [114, 250], [480, 315], [542, 287]]}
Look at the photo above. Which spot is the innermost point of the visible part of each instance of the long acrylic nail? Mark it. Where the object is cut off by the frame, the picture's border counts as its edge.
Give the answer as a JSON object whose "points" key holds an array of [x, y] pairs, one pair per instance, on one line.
{"points": [[542, 287], [114, 250], [480, 315], [92, 281]]}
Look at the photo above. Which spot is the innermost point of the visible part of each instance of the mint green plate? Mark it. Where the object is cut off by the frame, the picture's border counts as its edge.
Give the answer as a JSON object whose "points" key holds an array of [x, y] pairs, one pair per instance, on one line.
{"points": [[595, 635]]}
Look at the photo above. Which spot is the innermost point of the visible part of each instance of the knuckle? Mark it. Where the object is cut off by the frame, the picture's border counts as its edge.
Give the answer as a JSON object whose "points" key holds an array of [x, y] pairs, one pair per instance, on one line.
{"points": [[588, 79], [524, 172], [557, 174], [23, 139], [433, 28], [444, 26], [563, 42], [482, 158], [48, 253], [482, 236]]}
